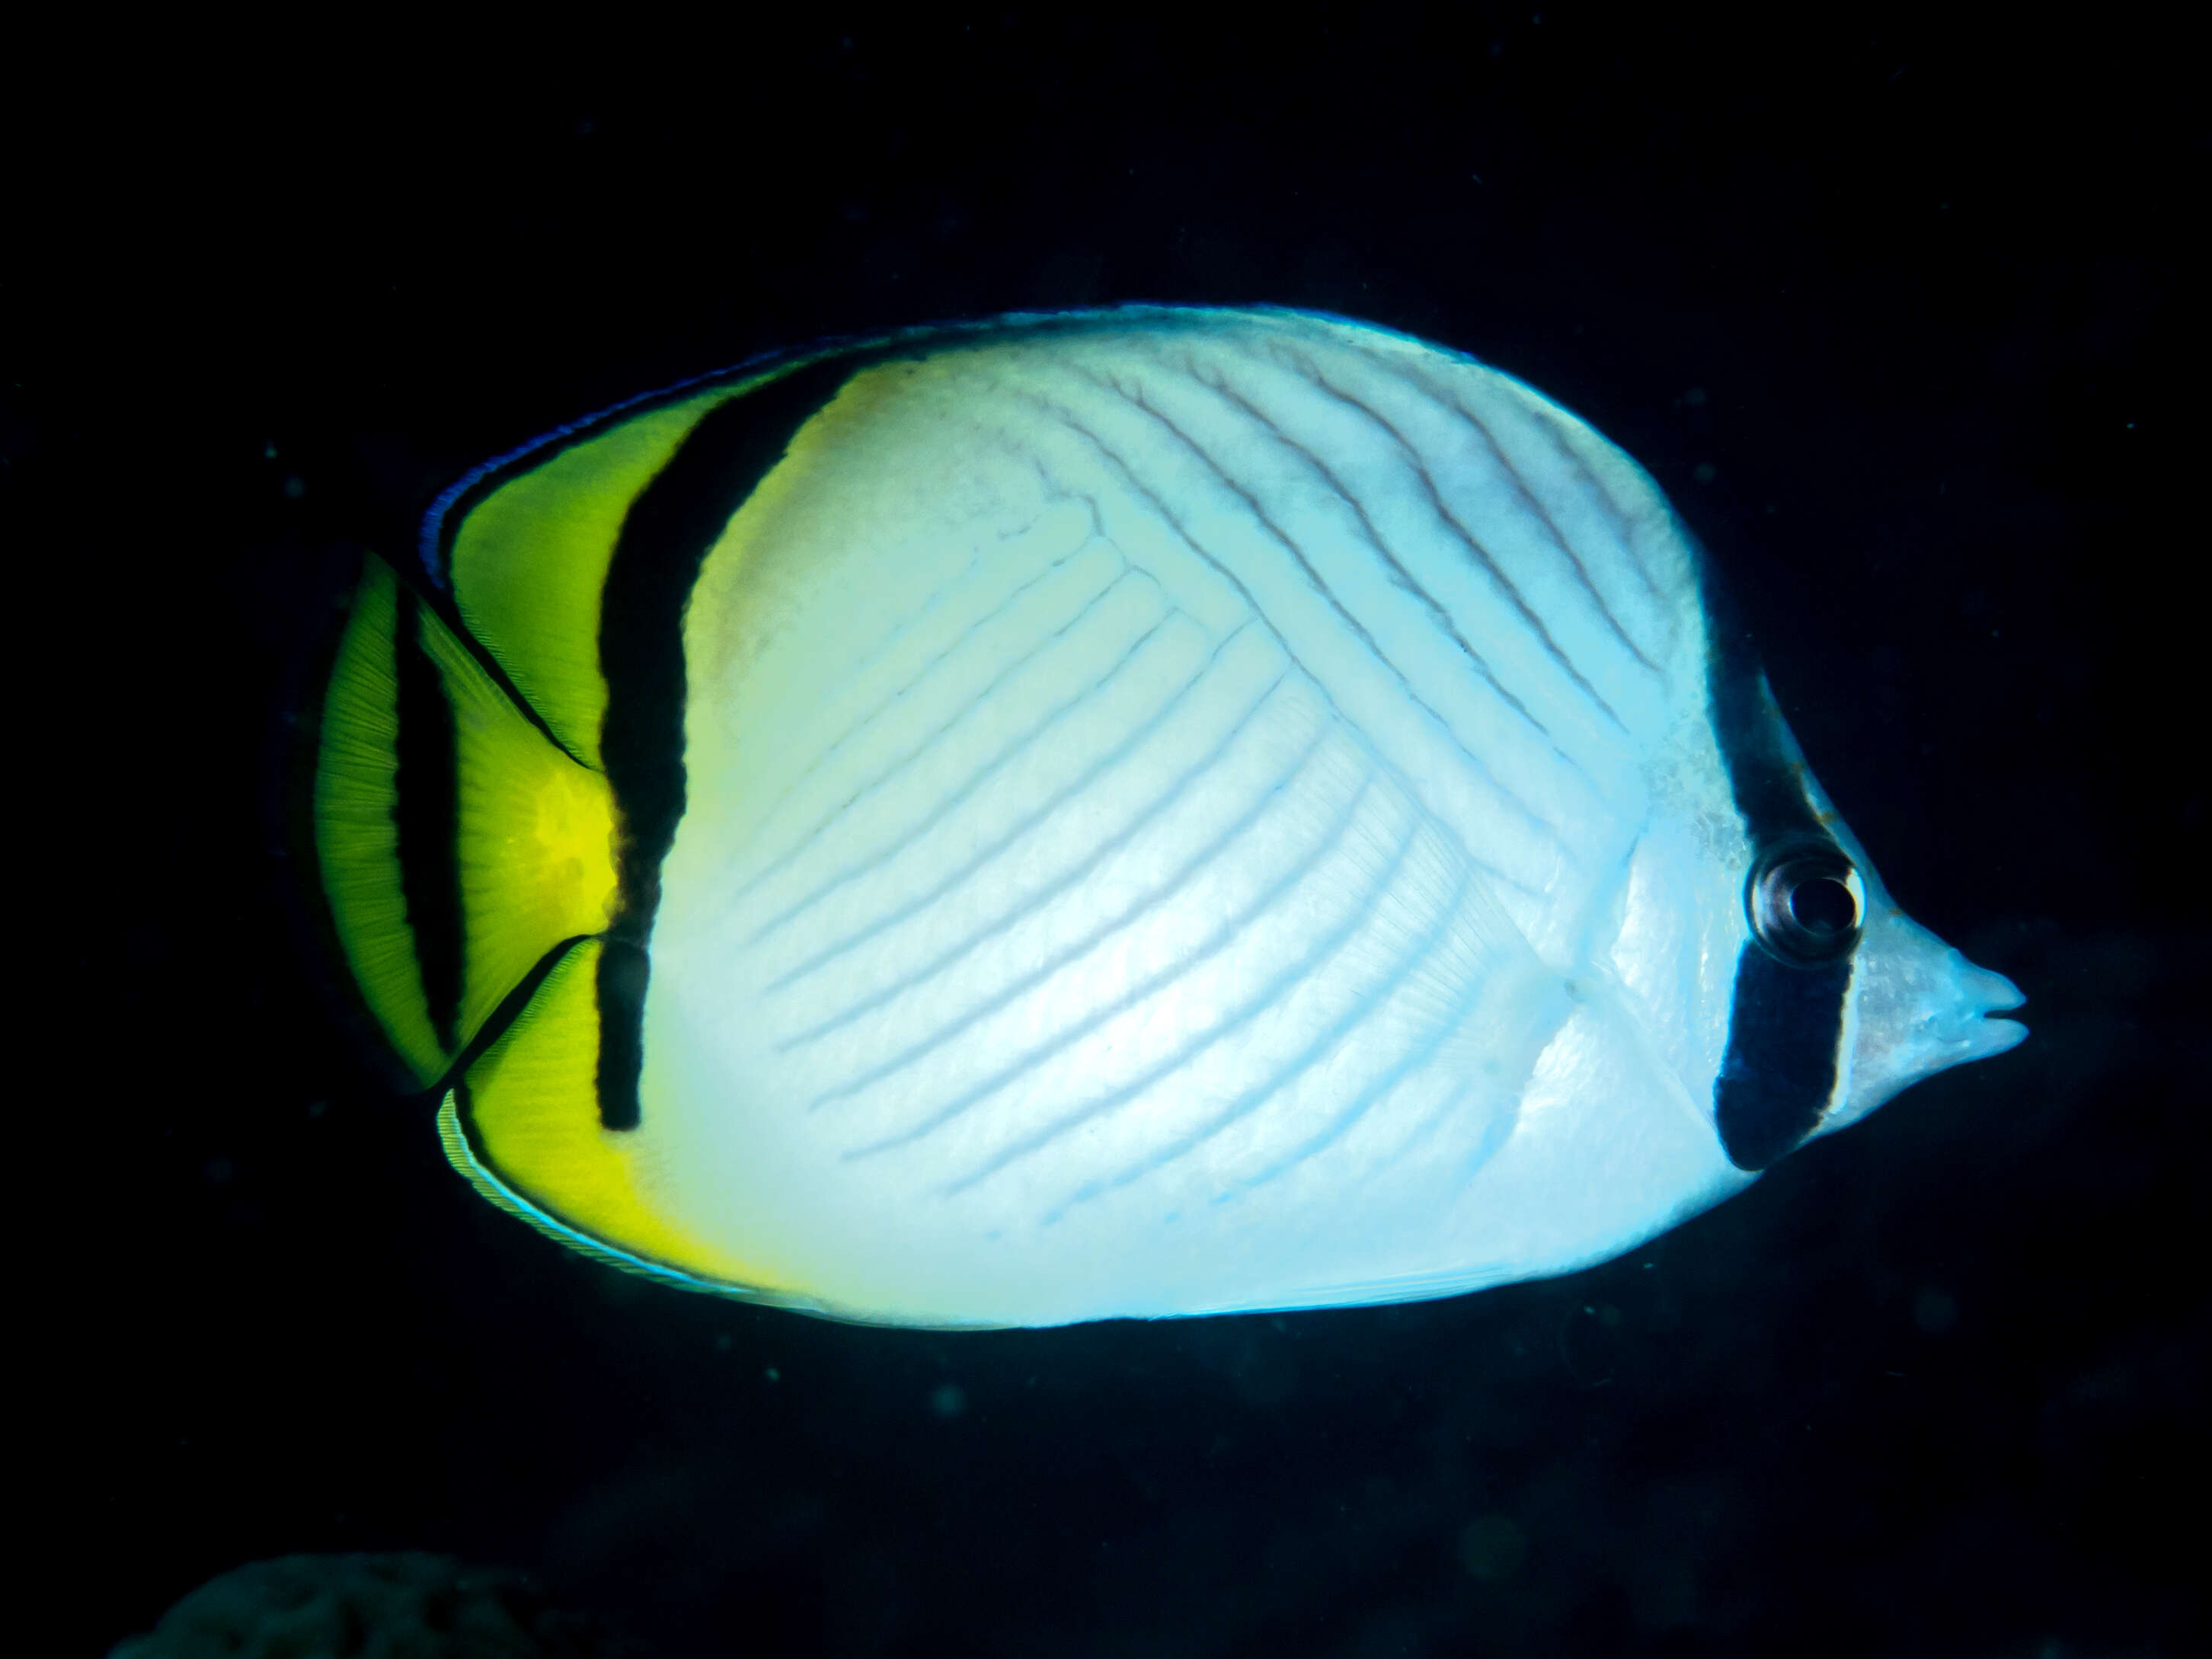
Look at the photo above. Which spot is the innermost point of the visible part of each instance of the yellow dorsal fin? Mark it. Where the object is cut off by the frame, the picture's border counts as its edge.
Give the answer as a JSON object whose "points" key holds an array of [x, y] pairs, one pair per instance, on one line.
{"points": [[529, 561]]}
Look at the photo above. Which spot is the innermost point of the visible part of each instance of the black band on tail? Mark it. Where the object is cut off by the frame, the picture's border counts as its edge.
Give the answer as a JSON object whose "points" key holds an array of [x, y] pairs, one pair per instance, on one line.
{"points": [[426, 811]]}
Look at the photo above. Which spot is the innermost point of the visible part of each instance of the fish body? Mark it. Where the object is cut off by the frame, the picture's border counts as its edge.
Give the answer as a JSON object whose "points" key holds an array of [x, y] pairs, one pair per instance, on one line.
{"points": [[1145, 812]]}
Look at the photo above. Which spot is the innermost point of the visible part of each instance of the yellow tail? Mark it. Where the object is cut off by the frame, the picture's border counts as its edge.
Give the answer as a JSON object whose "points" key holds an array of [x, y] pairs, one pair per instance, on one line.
{"points": [[458, 843]]}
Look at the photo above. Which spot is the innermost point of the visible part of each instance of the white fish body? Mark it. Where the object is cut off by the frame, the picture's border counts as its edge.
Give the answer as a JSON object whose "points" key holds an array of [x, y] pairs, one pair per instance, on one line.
{"points": [[1188, 811]]}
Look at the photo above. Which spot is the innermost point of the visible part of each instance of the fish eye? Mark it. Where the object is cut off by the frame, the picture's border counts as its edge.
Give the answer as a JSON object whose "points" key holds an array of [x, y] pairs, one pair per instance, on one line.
{"points": [[1806, 903], [1823, 905]]}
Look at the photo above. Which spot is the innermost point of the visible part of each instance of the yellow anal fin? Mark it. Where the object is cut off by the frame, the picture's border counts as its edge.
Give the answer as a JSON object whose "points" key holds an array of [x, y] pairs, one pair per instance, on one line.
{"points": [[523, 1127]]}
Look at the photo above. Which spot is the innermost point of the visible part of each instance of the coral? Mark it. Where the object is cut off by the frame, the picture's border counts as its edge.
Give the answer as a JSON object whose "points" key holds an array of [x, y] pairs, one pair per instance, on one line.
{"points": [[407, 1605]]}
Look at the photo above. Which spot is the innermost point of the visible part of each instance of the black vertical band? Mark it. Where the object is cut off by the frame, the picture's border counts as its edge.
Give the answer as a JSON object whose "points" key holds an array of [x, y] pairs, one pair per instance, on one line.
{"points": [[671, 528], [623, 972], [1780, 1069], [1769, 792], [1785, 1019], [426, 813]]}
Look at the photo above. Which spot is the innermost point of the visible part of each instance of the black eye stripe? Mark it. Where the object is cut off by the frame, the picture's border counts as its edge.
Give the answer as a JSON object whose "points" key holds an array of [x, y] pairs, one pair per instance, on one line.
{"points": [[1786, 1016], [1783, 1032]]}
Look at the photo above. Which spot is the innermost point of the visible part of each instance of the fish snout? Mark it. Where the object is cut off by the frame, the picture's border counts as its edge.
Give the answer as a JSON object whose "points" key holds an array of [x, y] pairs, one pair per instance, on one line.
{"points": [[1921, 1008], [1981, 995]]}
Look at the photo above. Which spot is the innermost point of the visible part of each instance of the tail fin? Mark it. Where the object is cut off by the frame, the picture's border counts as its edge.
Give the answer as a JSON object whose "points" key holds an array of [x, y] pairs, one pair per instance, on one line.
{"points": [[458, 842]]}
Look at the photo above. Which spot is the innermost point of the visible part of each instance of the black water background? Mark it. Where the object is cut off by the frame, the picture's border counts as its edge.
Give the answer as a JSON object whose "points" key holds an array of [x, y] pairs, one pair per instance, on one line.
{"points": [[1908, 319]]}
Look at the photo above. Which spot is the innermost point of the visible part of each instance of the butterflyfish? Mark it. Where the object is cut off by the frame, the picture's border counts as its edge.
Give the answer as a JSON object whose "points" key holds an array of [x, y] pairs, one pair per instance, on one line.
{"points": [[1141, 812]]}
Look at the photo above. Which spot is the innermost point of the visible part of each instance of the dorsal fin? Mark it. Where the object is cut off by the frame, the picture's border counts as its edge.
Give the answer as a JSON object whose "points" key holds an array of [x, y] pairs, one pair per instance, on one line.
{"points": [[528, 559]]}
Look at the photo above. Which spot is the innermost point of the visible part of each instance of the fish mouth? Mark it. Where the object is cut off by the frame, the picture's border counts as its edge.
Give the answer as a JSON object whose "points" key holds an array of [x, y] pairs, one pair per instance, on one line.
{"points": [[1988, 995], [1992, 1037]]}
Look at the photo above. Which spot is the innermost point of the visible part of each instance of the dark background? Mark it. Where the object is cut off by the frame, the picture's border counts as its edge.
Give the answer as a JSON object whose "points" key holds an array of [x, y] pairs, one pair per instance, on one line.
{"points": [[1907, 318]]}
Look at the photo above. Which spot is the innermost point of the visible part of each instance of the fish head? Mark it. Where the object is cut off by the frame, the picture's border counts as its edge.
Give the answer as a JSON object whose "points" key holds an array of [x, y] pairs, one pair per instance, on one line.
{"points": [[1840, 999], [1917, 1006]]}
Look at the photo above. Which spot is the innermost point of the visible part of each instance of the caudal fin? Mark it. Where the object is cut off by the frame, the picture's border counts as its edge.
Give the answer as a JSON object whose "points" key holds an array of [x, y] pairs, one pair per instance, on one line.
{"points": [[458, 843]]}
